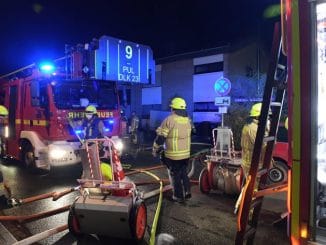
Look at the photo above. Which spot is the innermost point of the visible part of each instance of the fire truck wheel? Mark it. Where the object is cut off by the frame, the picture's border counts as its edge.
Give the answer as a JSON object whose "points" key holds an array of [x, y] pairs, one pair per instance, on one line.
{"points": [[138, 220], [73, 224], [204, 181], [28, 156], [278, 173]]}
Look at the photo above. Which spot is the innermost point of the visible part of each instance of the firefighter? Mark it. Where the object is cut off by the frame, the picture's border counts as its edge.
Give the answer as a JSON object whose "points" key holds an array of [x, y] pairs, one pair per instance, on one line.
{"points": [[5, 193], [93, 126], [3, 116], [248, 137], [105, 163], [134, 124], [175, 132]]}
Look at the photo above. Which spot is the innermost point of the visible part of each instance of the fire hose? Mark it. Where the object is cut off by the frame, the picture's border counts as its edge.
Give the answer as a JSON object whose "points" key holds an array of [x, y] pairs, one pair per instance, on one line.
{"points": [[158, 208], [42, 235]]}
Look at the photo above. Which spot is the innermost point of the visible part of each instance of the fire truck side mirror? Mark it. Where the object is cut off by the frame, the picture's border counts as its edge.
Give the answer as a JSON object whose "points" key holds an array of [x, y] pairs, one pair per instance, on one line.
{"points": [[35, 93]]}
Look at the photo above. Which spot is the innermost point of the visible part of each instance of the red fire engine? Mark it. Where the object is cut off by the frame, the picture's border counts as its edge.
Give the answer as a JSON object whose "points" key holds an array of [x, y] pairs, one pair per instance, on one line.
{"points": [[43, 99], [304, 44]]}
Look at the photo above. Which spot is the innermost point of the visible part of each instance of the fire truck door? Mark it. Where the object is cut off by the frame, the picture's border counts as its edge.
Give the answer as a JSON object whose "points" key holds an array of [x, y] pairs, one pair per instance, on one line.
{"points": [[12, 111]]}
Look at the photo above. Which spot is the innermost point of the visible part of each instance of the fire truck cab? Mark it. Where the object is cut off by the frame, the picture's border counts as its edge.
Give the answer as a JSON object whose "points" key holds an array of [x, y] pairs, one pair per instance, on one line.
{"points": [[41, 107]]}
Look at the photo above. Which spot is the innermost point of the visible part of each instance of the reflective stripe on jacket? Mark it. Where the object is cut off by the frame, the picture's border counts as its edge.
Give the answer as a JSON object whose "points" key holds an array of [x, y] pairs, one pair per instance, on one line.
{"points": [[177, 131], [93, 128]]}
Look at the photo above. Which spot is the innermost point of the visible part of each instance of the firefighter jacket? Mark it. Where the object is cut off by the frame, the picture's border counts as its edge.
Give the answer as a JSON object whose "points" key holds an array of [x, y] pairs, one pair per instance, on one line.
{"points": [[248, 138], [106, 170], [94, 128], [177, 131]]}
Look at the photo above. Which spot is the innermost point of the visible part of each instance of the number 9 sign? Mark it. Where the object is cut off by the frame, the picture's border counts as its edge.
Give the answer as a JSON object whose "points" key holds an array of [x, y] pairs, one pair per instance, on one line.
{"points": [[128, 52]]}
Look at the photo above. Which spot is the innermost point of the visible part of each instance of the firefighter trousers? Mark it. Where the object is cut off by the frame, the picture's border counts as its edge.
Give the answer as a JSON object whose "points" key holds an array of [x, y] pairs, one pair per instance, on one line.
{"points": [[179, 179]]}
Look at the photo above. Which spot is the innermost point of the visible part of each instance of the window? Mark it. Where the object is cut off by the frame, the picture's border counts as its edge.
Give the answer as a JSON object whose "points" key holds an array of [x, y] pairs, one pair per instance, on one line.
{"points": [[207, 68]]}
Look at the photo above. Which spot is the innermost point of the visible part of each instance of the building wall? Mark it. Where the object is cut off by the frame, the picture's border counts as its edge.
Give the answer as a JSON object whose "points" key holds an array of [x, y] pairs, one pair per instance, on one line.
{"points": [[177, 81], [246, 69], [243, 67]]}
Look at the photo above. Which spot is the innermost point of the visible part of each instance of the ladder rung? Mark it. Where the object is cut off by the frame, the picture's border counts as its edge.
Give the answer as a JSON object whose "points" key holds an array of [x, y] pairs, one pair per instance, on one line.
{"points": [[255, 202], [251, 231], [276, 103], [261, 172], [269, 138], [281, 66], [274, 185]]}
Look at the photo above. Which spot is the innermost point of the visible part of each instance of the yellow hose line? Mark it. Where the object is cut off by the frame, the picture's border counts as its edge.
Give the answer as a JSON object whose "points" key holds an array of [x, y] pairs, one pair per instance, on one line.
{"points": [[126, 166], [158, 208]]}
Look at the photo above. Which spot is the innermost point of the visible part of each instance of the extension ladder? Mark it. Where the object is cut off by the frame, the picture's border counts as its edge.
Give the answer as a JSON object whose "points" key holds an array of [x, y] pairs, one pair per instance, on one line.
{"points": [[251, 201]]}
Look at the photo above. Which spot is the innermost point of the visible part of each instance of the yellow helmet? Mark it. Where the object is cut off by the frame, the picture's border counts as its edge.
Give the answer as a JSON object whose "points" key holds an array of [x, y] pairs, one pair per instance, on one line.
{"points": [[178, 103], [3, 111], [255, 110], [286, 123], [91, 109]]}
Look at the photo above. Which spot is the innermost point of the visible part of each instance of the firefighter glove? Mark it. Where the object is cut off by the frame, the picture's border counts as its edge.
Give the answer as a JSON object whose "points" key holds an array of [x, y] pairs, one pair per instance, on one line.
{"points": [[156, 150], [13, 202]]}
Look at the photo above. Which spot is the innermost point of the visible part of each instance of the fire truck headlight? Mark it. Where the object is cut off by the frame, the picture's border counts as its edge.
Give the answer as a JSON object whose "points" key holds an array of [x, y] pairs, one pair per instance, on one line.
{"points": [[119, 145], [57, 153]]}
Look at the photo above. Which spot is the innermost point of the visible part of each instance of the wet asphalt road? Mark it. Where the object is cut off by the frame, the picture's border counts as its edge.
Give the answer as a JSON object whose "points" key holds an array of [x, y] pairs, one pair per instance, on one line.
{"points": [[205, 219]]}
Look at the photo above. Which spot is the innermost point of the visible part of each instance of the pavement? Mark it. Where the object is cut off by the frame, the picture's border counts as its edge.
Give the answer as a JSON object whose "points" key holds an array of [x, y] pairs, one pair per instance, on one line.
{"points": [[5, 236]]}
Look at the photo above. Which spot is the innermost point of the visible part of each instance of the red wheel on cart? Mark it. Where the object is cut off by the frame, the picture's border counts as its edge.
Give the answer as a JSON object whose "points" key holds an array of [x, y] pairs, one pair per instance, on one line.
{"points": [[204, 181], [139, 220], [73, 223]]}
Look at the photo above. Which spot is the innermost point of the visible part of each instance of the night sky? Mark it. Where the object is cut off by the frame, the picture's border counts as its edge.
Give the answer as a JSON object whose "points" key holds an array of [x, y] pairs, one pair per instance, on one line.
{"points": [[36, 30]]}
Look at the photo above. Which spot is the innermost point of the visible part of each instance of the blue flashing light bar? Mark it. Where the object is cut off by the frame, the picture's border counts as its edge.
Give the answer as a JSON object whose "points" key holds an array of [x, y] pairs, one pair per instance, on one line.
{"points": [[111, 121]]}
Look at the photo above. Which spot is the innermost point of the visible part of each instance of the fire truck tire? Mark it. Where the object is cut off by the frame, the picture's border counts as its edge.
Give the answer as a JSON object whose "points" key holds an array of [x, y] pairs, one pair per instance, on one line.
{"points": [[278, 173], [204, 181], [138, 220], [28, 156], [73, 224]]}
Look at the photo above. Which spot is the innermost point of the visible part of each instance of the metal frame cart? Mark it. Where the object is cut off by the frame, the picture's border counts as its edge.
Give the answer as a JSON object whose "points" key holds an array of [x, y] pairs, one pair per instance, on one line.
{"points": [[108, 208], [223, 171]]}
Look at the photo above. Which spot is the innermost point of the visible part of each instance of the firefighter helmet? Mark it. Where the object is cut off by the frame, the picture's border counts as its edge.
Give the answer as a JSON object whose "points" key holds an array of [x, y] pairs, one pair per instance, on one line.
{"points": [[255, 110], [91, 109], [286, 123], [3, 111], [178, 103]]}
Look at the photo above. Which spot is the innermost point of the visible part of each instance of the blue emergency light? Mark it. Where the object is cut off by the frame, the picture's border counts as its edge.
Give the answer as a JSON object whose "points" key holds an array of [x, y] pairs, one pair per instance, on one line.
{"points": [[78, 131], [108, 125], [47, 67]]}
